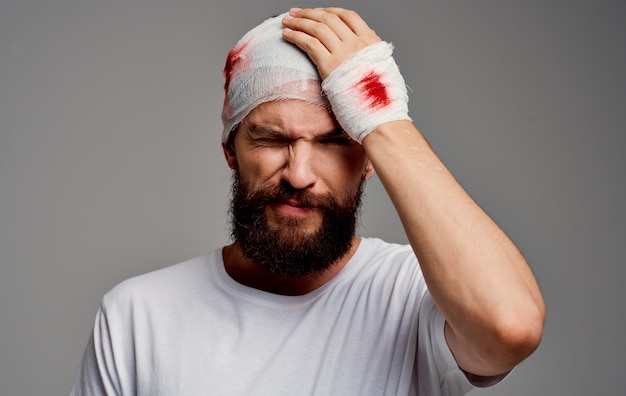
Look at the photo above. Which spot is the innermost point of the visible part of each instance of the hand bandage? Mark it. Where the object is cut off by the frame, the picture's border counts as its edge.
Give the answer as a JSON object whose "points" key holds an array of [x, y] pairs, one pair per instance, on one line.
{"points": [[367, 90]]}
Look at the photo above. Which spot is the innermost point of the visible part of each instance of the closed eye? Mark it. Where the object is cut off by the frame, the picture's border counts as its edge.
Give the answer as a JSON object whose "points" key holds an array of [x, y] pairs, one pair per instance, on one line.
{"points": [[266, 136], [337, 136], [340, 140]]}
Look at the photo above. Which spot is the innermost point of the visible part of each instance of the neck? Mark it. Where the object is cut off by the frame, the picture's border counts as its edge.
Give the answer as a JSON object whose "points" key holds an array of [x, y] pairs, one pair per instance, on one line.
{"points": [[246, 272]]}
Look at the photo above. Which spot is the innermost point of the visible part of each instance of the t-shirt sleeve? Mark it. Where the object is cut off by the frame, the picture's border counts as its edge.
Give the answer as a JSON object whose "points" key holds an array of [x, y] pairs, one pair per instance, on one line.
{"points": [[438, 372], [97, 374], [434, 351]]}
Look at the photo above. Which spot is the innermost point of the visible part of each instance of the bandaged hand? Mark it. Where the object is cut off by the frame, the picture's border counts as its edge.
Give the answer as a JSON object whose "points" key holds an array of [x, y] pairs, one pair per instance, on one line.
{"points": [[360, 77], [367, 90]]}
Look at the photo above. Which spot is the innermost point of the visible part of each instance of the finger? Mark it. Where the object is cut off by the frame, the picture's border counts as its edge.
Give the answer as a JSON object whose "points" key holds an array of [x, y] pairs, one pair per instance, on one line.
{"points": [[319, 54], [325, 19], [317, 30], [307, 43], [356, 24], [350, 18]]}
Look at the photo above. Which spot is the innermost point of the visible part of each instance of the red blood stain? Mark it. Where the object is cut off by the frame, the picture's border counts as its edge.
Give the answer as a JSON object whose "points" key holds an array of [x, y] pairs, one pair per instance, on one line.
{"points": [[232, 59], [373, 91]]}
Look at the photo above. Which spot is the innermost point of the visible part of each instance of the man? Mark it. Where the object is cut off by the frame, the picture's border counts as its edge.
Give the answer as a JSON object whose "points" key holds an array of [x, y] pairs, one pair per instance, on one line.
{"points": [[298, 304]]}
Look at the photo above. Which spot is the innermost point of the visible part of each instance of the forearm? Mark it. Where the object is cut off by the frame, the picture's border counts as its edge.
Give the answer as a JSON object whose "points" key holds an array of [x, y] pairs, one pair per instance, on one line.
{"points": [[476, 275]]}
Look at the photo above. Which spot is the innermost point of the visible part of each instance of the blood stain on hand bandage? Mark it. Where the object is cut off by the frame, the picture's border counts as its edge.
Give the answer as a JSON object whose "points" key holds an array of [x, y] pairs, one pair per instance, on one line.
{"points": [[373, 91]]}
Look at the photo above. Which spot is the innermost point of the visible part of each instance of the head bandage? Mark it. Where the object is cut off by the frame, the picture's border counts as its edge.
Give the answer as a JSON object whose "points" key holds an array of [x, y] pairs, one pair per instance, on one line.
{"points": [[263, 67]]}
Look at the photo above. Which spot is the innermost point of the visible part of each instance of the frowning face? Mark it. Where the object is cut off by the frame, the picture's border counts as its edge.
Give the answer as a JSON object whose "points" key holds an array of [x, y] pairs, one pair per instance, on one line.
{"points": [[298, 178]]}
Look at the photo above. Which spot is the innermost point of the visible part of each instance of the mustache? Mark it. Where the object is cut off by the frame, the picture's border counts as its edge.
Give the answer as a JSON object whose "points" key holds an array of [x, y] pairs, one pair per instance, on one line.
{"points": [[285, 193]]}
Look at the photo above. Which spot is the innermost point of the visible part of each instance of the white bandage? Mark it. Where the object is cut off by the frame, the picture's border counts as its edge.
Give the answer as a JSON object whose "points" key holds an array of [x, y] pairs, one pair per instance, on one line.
{"points": [[263, 67], [367, 90]]}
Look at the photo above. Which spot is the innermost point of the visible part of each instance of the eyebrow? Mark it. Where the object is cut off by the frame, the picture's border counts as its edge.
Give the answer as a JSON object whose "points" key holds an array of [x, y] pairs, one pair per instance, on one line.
{"points": [[265, 131], [270, 132]]}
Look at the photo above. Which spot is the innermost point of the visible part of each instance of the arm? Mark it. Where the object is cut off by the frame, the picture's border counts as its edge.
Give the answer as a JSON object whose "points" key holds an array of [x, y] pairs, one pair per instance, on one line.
{"points": [[479, 280], [493, 308]]}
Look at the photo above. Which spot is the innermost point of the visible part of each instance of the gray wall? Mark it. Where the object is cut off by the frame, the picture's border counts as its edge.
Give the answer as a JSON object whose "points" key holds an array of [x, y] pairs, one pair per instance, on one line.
{"points": [[110, 163]]}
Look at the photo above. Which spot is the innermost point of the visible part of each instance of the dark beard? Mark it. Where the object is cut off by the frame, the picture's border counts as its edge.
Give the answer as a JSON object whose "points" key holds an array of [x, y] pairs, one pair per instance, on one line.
{"points": [[287, 250]]}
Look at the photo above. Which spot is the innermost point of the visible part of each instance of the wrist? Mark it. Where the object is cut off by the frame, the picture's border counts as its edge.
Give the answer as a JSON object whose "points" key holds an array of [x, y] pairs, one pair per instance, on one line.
{"points": [[367, 90]]}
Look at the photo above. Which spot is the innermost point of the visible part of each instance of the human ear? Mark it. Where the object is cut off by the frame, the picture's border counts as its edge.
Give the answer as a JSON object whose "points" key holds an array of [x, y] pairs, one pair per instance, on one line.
{"points": [[369, 170], [230, 155]]}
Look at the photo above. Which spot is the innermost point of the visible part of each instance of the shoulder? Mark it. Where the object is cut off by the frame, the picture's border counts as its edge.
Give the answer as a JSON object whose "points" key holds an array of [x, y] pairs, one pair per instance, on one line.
{"points": [[377, 249], [386, 262], [376, 253], [163, 285]]}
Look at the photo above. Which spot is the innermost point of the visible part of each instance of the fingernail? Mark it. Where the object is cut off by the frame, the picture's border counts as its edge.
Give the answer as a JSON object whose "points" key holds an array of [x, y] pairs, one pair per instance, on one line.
{"points": [[287, 18], [293, 10]]}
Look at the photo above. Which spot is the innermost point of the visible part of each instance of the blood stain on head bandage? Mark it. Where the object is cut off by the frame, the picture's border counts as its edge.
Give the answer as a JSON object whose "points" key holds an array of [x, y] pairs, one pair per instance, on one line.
{"points": [[373, 91], [232, 60]]}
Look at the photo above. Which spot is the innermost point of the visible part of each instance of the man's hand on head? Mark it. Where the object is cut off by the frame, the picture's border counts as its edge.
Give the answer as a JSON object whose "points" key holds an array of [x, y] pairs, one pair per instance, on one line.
{"points": [[328, 35], [360, 77]]}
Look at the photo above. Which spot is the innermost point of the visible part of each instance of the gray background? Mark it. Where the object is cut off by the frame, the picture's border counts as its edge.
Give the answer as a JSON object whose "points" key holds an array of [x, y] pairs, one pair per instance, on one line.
{"points": [[110, 163]]}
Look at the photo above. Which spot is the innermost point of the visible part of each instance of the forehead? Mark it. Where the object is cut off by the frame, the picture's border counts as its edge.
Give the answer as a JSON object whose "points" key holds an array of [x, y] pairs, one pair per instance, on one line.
{"points": [[291, 117]]}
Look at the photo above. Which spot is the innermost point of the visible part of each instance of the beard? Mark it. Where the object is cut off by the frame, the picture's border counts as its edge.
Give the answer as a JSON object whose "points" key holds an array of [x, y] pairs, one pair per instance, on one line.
{"points": [[287, 249]]}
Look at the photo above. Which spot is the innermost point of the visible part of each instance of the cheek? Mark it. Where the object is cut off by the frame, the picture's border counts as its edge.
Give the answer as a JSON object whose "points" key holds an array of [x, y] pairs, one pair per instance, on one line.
{"points": [[345, 168], [258, 168], [351, 159]]}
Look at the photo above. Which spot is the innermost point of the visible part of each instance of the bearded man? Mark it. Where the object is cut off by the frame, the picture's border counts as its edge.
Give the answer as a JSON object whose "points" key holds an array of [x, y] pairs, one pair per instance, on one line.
{"points": [[298, 304]]}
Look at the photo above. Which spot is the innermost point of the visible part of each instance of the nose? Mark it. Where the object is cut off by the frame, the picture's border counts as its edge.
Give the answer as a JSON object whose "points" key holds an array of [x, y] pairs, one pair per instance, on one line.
{"points": [[298, 170]]}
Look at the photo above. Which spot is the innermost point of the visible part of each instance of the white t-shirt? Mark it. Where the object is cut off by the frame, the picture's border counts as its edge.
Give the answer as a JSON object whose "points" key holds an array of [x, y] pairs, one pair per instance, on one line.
{"points": [[190, 329]]}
